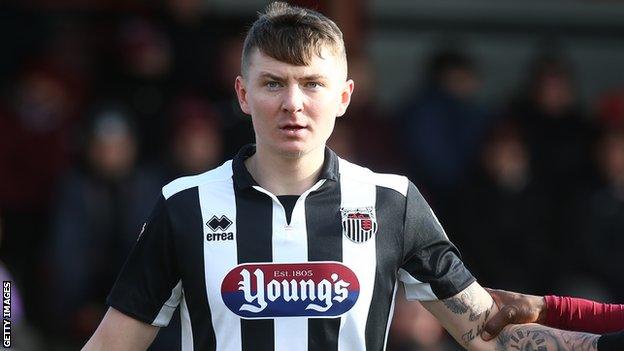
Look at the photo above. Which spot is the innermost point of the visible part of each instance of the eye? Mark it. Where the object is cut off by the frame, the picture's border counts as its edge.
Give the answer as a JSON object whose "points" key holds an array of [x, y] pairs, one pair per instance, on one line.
{"points": [[272, 84], [313, 85]]}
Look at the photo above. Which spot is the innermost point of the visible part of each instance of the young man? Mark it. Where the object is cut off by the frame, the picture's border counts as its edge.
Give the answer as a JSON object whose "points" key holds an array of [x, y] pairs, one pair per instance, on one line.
{"points": [[289, 247]]}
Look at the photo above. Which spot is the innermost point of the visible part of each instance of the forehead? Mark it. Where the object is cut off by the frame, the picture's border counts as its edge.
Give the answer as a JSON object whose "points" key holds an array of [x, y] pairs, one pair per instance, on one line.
{"points": [[328, 65]]}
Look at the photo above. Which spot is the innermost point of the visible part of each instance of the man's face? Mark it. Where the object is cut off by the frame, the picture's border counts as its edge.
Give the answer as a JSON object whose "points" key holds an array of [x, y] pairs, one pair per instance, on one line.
{"points": [[293, 108]]}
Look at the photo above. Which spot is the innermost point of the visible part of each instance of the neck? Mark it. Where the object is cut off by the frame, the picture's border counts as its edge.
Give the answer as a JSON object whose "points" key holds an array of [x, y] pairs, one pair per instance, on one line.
{"points": [[282, 175]]}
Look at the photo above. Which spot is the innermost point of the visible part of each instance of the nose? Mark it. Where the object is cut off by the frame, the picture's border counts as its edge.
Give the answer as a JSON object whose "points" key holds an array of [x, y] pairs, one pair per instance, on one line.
{"points": [[292, 99]]}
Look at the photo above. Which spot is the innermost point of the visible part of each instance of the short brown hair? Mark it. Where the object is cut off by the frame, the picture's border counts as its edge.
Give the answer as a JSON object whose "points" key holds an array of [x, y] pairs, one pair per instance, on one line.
{"points": [[293, 35]]}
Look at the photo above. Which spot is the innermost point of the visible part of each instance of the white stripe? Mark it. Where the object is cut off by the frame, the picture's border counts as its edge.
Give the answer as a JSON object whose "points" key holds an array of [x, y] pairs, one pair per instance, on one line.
{"points": [[220, 173], [415, 289], [365, 175], [219, 257], [392, 181], [290, 245], [164, 316], [361, 259], [187, 329], [390, 314]]}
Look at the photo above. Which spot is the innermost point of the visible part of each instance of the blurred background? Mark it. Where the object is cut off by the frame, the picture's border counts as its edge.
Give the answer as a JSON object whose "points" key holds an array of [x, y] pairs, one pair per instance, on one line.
{"points": [[508, 115]]}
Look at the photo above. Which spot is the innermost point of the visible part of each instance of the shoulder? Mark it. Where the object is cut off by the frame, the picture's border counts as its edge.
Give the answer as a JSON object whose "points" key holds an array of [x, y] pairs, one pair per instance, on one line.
{"points": [[352, 172], [219, 174]]}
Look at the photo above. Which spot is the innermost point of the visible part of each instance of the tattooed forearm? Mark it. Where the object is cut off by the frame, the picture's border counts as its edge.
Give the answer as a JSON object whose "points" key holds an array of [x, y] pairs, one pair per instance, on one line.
{"points": [[533, 337], [465, 302], [471, 334], [474, 305]]}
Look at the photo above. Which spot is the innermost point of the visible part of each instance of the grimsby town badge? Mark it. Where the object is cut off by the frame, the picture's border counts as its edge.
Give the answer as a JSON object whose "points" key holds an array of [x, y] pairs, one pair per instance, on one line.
{"points": [[359, 224]]}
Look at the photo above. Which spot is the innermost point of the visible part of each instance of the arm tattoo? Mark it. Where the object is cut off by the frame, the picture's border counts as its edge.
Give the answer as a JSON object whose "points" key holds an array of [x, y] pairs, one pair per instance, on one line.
{"points": [[465, 302], [469, 302], [471, 334], [456, 305], [534, 337]]}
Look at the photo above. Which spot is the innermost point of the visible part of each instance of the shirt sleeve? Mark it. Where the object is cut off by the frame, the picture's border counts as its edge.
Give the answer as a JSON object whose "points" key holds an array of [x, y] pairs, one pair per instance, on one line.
{"points": [[571, 313], [611, 342], [432, 268], [148, 287]]}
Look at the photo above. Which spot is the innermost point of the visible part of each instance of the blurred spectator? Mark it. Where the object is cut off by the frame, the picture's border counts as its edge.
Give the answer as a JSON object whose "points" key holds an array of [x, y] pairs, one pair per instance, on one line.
{"points": [[186, 11], [502, 215], [143, 52], [558, 132], [197, 138], [603, 216], [70, 50], [611, 109], [371, 135], [229, 67], [443, 127], [97, 218], [237, 128], [35, 123], [145, 48], [560, 138], [414, 328], [36, 119], [193, 40]]}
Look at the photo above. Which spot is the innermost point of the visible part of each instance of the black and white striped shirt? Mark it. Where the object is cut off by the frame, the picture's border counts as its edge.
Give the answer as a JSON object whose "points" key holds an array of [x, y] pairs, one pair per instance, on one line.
{"points": [[220, 246]]}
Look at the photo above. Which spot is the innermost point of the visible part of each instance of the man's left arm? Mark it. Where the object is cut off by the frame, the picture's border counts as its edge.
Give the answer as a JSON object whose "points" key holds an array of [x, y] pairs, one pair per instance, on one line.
{"points": [[464, 316]]}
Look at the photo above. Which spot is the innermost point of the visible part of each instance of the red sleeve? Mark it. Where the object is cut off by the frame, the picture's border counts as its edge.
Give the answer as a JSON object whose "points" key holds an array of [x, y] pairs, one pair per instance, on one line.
{"points": [[583, 315]]}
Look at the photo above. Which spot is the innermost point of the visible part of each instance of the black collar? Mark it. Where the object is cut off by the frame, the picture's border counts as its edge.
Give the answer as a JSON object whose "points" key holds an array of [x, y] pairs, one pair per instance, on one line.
{"points": [[243, 179]]}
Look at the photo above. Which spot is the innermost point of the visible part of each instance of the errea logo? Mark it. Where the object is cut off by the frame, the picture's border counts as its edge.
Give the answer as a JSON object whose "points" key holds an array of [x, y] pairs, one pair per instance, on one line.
{"points": [[222, 223], [219, 224]]}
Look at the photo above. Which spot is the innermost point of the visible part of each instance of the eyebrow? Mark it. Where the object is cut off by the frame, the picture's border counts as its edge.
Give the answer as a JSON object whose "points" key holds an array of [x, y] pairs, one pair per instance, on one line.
{"points": [[314, 77], [265, 75]]}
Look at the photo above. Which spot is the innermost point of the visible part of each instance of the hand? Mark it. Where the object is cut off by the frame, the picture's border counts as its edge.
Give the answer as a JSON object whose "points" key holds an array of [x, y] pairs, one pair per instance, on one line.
{"points": [[514, 308]]}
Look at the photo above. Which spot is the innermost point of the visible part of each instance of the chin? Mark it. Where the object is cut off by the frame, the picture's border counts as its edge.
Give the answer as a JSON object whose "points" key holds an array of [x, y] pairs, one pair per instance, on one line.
{"points": [[294, 150]]}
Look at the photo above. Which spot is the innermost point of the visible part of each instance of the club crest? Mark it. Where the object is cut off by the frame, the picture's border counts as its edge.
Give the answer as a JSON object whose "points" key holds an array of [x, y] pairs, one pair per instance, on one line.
{"points": [[359, 224]]}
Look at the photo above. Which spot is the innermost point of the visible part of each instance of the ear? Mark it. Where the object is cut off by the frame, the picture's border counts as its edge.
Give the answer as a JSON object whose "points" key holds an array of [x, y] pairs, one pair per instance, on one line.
{"points": [[345, 97], [241, 94]]}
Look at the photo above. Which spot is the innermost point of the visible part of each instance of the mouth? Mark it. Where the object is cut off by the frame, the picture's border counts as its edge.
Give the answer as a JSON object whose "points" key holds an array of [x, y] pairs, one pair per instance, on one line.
{"points": [[292, 128]]}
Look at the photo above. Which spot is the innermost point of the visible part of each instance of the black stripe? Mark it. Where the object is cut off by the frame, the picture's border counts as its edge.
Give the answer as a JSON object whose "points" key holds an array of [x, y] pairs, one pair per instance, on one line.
{"points": [[254, 229], [352, 231], [389, 207], [188, 224], [323, 223]]}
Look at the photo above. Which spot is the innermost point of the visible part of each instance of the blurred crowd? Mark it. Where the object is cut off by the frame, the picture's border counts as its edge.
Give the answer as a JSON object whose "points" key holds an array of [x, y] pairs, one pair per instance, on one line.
{"points": [[99, 111]]}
